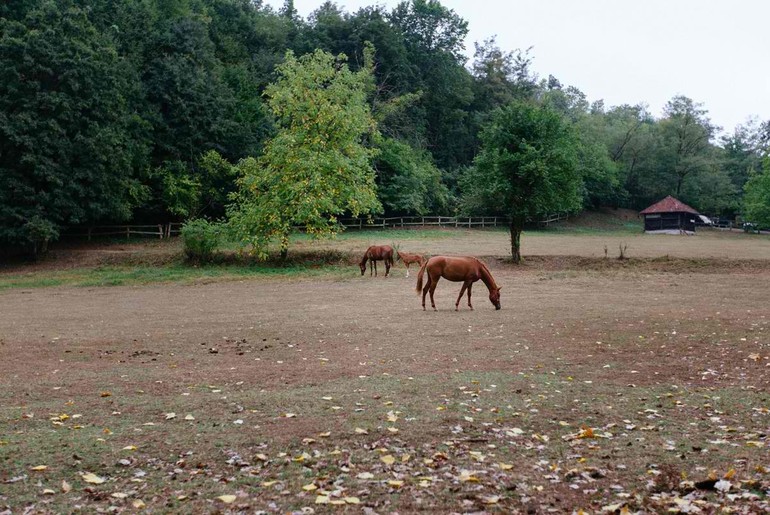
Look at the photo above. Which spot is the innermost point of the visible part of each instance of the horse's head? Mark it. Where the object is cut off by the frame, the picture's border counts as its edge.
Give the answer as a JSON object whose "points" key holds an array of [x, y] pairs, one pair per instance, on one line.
{"points": [[494, 297], [362, 266]]}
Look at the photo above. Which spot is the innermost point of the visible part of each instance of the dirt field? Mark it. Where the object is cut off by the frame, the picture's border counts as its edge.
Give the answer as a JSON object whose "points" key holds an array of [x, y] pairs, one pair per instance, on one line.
{"points": [[596, 388]]}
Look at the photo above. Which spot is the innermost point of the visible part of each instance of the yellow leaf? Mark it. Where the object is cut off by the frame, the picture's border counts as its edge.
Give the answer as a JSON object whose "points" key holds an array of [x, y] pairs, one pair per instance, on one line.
{"points": [[262, 457], [227, 499], [129, 448], [189, 417], [395, 483], [468, 477], [327, 434], [39, 468], [468, 419], [119, 495], [365, 475], [405, 458], [268, 483], [586, 432], [105, 394], [65, 487], [310, 487], [490, 499], [138, 504], [327, 398], [361, 431], [352, 500], [322, 499], [505, 466], [88, 477], [730, 474], [388, 459], [393, 430], [48, 491]]}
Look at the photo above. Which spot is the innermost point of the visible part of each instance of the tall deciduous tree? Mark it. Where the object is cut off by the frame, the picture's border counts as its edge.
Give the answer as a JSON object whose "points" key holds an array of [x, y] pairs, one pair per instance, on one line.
{"points": [[687, 132], [527, 167], [69, 143], [317, 166]]}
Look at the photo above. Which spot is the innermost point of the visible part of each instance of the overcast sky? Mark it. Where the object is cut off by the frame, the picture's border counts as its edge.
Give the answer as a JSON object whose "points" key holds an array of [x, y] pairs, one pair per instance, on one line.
{"points": [[623, 51]]}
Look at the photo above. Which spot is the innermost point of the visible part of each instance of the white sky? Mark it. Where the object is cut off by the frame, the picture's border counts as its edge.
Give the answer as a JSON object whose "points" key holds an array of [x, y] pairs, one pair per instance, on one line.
{"points": [[714, 51]]}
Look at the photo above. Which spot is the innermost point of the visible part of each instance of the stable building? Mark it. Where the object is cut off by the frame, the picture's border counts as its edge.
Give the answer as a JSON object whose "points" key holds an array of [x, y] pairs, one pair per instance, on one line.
{"points": [[669, 216]]}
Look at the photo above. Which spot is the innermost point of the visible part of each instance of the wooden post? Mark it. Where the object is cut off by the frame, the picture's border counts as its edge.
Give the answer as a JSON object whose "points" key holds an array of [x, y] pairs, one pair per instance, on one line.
{"points": [[128, 232], [160, 231]]}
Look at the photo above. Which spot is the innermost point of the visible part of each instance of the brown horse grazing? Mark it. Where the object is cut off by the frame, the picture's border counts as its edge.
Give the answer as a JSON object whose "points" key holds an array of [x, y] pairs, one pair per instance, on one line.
{"points": [[377, 253], [467, 270], [408, 259]]}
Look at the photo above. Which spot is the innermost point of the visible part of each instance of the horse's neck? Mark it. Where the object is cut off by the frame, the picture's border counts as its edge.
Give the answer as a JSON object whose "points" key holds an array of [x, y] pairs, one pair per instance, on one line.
{"points": [[487, 279]]}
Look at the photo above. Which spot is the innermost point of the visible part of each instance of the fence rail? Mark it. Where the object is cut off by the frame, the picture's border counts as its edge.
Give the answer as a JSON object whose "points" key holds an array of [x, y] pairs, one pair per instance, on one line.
{"points": [[168, 230]]}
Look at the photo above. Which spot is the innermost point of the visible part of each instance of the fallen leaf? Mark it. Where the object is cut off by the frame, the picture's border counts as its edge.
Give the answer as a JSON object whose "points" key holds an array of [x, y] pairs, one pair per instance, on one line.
{"points": [[39, 468], [119, 495], [388, 459], [48, 491], [89, 477], [169, 416], [289, 415], [327, 434], [361, 431], [393, 429], [351, 500], [189, 417], [490, 499], [365, 475], [322, 499], [310, 487], [505, 466], [138, 504], [227, 499], [129, 448], [105, 394], [65, 487], [395, 483]]}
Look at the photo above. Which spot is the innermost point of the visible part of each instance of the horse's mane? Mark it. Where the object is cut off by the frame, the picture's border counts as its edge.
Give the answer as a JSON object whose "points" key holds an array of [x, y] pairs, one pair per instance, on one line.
{"points": [[484, 267]]}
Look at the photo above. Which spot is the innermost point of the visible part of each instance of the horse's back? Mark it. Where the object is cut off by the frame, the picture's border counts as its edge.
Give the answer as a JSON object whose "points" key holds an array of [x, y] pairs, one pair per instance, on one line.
{"points": [[454, 268]]}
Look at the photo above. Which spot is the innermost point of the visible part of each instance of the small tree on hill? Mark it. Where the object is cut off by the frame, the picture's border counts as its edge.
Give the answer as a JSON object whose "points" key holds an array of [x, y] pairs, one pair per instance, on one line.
{"points": [[317, 166], [526, 168]]}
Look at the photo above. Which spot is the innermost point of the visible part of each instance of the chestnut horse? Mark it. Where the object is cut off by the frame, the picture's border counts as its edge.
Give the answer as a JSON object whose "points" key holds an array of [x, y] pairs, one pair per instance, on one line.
{"points": [[408, 259], [467, 270], [377, 253]]}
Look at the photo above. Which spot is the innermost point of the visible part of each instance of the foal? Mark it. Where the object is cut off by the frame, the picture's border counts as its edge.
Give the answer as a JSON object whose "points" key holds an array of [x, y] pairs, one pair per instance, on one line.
{"points": [[408, 259], [377, 253]]}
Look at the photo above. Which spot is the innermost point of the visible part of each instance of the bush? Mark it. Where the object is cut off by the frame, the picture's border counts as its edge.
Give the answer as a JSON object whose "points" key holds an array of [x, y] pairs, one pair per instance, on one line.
{"points": [[201, 238], [39, 233]]}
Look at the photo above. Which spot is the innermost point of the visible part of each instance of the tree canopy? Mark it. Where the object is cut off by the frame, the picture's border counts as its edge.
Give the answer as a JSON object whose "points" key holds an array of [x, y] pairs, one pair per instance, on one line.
{"points": [[109, 107]]}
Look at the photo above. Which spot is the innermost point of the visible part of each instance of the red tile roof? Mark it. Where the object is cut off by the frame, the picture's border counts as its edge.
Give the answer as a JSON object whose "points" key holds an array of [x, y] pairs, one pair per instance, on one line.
{"points": [[669, 205]]}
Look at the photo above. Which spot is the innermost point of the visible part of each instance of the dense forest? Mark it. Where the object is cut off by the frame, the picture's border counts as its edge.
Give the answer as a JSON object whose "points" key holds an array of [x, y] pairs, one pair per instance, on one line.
{"points": [[117, 110]]}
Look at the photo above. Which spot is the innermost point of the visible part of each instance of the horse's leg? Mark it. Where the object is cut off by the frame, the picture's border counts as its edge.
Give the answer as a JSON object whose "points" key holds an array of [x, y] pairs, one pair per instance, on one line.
{"points": [[425, 291], [462, 292], [375, 268], [407, 269], [470, 287], [433, 284], [387, 267]]}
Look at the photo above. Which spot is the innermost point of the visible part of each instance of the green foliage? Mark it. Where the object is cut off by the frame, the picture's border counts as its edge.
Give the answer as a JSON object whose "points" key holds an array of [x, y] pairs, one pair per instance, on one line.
{"points": [[408, 181], [68, 138], [527, 167], [201, 238], [756, 202], [316, 167]]}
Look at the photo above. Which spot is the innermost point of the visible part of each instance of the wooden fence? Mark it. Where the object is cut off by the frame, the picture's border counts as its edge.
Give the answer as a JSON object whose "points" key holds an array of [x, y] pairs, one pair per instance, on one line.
{"points": [[168, 230]]}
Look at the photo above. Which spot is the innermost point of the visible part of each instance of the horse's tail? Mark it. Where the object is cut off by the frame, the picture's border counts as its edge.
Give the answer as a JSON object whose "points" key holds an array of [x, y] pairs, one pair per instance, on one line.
{"points": [[418, 289]]}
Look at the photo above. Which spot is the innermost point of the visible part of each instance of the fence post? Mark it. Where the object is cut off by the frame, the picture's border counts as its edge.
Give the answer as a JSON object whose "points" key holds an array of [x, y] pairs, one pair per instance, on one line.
{"points": [[89, 233], [160, 231], [128, 232]]}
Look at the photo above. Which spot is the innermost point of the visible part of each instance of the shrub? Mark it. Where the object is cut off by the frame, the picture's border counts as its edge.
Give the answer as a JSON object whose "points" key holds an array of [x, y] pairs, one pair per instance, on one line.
{"points": [[201, 238]]}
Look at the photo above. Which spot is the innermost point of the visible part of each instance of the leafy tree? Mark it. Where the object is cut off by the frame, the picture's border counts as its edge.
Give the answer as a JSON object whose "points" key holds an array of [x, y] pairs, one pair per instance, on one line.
{"points": [[70, 145], [687, 132], [527, 167], [408, 180], [756, 201], [317, 166]]}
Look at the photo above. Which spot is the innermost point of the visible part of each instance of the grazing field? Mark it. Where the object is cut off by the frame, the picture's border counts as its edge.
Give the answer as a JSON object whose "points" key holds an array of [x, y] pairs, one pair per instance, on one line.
{"points": [[602, 385]]}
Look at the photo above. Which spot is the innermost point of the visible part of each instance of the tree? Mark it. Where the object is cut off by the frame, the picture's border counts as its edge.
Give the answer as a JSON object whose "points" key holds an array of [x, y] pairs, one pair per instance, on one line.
{"points": [[527, 167], [317, 166], [408, 181], [70, 144], [687, 132], [756, 201]]}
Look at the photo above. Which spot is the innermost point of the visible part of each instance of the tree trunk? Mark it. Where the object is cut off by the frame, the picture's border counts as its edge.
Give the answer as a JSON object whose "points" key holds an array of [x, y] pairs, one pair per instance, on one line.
{"points": [[516, 227], [284, 246]]}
